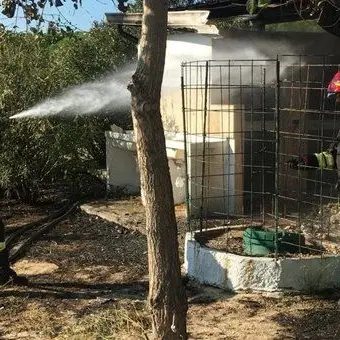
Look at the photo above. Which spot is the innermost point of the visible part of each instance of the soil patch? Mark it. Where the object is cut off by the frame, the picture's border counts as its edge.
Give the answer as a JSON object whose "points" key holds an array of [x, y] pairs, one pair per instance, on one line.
{"points": [[98, 289], [231, 241], [31, 267]]}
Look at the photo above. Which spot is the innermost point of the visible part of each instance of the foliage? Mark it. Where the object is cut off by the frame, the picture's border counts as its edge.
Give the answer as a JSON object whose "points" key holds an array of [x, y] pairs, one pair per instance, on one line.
{"points": [[234, 23], [33, 10], [34, 67], [137, 6], [296, 26]]}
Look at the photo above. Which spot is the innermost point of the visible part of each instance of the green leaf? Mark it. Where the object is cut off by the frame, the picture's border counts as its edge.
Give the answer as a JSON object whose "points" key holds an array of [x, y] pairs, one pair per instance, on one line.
{"points": [[263, 3], [252, 6]]}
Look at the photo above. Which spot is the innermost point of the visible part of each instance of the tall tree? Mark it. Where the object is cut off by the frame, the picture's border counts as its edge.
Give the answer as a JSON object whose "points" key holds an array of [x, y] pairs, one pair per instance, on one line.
{"points": [[167, 297]]}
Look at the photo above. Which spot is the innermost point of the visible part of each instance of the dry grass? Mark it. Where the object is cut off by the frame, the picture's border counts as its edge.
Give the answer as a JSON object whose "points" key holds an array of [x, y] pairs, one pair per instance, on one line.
{"points": [[128, 322], [32, 320], [123, 321], [98, 294]]}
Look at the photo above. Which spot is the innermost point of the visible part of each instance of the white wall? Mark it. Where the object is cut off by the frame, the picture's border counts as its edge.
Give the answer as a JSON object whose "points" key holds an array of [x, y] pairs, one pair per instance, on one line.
{"points": [[184, 47], [121, 164], [181, 48], [235, 272], [122, 168]]}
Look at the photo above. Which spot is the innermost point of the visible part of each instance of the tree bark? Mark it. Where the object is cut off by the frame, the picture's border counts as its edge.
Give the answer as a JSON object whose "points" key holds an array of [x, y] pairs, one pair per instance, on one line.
{"points": [[167, 298]]}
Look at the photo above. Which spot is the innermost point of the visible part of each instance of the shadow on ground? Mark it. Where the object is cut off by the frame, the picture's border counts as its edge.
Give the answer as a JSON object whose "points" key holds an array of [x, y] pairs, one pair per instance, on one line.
{"points": [[76, 290], [322, 322]]}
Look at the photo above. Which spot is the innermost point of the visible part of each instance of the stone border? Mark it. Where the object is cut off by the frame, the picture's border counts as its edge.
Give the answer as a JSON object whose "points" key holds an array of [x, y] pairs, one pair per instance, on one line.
{"points": [[235, 272]]}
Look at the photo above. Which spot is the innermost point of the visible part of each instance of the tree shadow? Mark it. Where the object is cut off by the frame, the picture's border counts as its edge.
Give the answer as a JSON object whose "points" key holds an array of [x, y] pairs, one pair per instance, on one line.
{"points": [[77, 290], [319, 323], [85, 241]]}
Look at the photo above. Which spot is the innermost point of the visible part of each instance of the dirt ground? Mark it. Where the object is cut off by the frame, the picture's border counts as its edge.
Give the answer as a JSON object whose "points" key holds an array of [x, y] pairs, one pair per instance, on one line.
{"points": [[88, 280], [232, 241]]}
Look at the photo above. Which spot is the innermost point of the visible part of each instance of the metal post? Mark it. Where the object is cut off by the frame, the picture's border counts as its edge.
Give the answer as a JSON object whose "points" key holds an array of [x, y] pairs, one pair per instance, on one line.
{"points": [[277, 151], [322, 109], [251, 141], [263, 143], [301, 108], [204, 138], [187, 197]]}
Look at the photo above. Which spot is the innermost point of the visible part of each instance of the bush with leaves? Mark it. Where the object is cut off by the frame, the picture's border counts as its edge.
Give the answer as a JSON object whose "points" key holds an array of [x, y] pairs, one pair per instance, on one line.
{"points": [[33, 67]]}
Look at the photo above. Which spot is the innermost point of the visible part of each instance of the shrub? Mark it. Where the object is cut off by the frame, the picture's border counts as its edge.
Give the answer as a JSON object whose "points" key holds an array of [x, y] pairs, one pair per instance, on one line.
{"points": [[33, 67]]}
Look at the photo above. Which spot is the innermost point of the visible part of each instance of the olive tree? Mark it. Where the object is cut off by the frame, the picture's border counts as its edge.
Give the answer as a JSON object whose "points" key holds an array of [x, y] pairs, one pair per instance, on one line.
{"points": [[166, 293], [167, 297]]}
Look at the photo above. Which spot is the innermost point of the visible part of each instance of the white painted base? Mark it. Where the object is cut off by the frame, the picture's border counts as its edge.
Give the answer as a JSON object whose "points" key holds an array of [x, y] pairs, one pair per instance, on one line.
{"points": [[235, 272], [123, 171]]}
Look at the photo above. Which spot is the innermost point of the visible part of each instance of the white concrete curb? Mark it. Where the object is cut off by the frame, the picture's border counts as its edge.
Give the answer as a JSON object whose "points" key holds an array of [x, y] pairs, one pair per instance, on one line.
{"points": [[235, 272]]}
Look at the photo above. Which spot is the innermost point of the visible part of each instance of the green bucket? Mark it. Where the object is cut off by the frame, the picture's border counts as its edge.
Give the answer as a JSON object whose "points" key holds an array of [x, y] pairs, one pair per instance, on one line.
{"points": [[257, 241]]}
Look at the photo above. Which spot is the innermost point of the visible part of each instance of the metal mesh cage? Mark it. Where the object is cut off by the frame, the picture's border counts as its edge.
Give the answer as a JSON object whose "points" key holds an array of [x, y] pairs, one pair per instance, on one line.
{"points": [[248, 126]]}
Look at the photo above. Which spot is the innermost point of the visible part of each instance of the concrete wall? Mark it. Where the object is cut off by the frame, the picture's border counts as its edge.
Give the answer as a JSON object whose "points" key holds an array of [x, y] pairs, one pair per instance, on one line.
{"points": [[182, 47], [234, 272], [192, 46], [238, 45], [220, 165], [267, 45], [121, 164], [223, 179], [222, 184], [123, 171]]}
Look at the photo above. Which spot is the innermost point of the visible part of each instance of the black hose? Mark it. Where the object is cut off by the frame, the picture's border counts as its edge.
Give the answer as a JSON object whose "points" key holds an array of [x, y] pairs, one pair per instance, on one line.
{"points": [[16, 232], [19, 250]]}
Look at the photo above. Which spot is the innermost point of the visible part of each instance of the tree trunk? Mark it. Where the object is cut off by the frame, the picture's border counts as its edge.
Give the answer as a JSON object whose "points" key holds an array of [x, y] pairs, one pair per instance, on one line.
{"points": [[167, 298]]}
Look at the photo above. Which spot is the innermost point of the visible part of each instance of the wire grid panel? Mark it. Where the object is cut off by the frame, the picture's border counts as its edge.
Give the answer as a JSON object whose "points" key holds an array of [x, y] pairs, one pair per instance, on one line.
{"points": [[229, 112], [309, 124], [244, 121]]}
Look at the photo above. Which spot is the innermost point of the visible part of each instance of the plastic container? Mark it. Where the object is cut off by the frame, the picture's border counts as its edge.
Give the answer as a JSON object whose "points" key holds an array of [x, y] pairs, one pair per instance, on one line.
{"points": [[257, 241]]}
